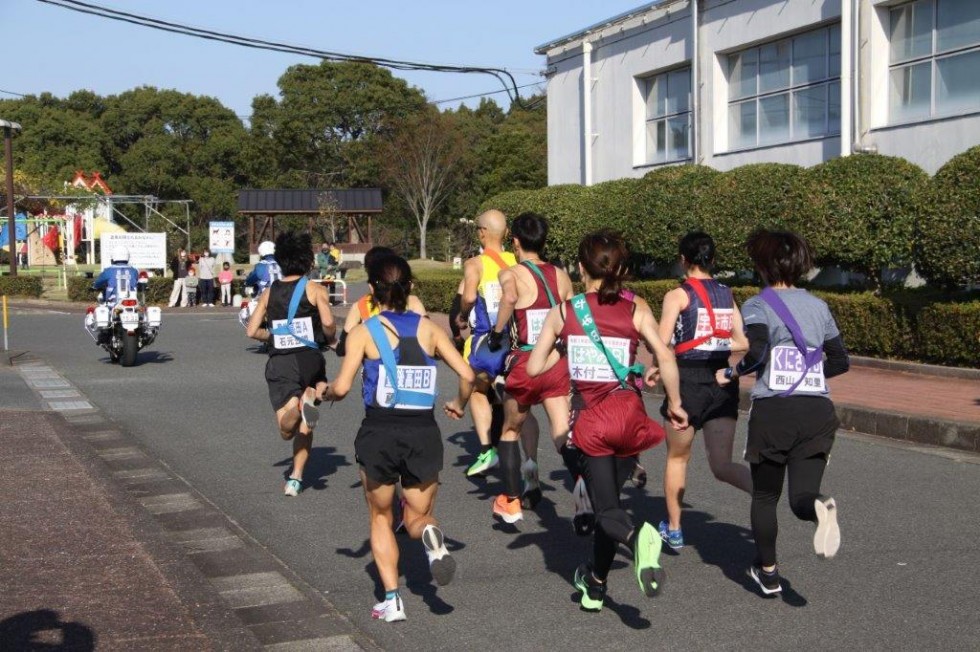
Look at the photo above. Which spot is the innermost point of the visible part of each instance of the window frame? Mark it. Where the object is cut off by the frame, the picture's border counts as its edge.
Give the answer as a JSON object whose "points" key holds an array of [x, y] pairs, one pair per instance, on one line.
{"points": [[645, 82]]}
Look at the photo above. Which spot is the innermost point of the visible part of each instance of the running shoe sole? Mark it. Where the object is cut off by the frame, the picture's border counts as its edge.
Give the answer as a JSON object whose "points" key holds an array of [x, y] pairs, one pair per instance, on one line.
{"points": [[380, 612], [826, 540], [583, 524], [649, 574], [507, 517], [479, 469], [310, 413], [531, 498], [443, 568], [754, 574], [582, 584]]}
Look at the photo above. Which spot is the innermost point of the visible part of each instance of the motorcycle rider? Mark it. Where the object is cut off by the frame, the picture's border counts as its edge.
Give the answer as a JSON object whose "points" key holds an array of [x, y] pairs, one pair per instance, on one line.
{"points": [[110, 279], [266, 270]]}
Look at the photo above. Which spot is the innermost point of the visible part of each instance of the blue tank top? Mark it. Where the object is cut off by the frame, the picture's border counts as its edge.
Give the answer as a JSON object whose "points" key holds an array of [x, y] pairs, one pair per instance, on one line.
{"points": [[693, 322], [416, 369]]}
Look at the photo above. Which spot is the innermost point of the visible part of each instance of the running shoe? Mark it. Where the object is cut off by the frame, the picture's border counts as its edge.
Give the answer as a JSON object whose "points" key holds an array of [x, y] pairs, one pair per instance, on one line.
{"points": [[673, 538], [441, 563], [390, 611], [400, 527], [293, 487], [584, 520], [768, 581], [484, 462], [639, 476], [826, 540], [309, 412], [593, 593], [646, 560], [507, 510], [531, 495]]}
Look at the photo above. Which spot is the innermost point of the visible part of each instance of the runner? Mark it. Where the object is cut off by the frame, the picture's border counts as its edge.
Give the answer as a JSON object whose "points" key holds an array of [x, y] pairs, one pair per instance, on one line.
{"points": [[399, 440], [478, 308], [792, 423], [705, 327], [601, 331], [529, 291], [299, 313]]}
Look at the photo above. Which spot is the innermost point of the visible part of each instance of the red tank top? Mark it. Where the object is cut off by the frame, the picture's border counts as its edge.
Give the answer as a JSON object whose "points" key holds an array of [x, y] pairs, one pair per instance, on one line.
{"points": [[528, 321], [592, 377]]}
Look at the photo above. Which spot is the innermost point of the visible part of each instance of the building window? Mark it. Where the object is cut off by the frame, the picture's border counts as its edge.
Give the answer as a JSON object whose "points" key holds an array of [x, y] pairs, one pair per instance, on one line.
{"points": [[786, 90], [935, 53], [668, 116]]}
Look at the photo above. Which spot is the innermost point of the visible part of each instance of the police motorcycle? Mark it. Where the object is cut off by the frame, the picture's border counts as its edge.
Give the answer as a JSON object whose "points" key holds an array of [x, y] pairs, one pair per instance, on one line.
{"points": [[266, 271], [121, 322]]}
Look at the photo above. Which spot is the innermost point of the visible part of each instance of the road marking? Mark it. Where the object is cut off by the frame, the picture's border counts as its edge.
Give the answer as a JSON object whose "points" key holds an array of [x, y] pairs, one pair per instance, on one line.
{"points": [[48, 383], [122, 453], [341, 643], [256, 590], [102, 435], [170, 503], [137, 475], [61, 406], [59, 393], [209, 539]]}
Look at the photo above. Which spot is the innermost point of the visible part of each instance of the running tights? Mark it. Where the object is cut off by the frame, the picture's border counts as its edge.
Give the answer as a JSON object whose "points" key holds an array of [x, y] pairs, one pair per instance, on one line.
{"points": [[805, 476], [605, 477], [510, 467]]}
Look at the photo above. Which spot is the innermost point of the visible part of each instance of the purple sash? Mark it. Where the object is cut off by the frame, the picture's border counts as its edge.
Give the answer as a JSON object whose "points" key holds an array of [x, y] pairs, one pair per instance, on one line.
{"points": [[810, 358]]}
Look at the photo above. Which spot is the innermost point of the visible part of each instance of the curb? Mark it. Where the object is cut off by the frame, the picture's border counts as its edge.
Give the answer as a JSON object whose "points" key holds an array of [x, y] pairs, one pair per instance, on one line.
{"points": [[966, 373]]}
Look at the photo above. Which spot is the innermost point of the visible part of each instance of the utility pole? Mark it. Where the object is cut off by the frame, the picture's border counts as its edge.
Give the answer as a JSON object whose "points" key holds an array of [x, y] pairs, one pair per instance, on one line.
{"points": [[8, 129]]}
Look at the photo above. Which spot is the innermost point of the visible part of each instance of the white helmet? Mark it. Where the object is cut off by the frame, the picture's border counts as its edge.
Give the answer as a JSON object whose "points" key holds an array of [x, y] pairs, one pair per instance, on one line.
{"points": [[120, 254], [267, 248]]}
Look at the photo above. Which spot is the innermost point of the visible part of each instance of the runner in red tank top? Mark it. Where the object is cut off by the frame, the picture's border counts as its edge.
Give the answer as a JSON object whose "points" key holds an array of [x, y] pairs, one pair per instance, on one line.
{"points": [[610, 426]]}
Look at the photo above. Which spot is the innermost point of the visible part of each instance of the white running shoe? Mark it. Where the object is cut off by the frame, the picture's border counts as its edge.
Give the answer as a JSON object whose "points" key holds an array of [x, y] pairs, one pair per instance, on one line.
{"points": [[441, 563], [309, 412], [293, 487], [390, 611], [826, 540]]}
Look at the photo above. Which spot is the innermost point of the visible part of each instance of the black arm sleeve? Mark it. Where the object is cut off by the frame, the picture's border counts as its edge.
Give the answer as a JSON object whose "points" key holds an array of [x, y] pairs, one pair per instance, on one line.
{"points": [[454, 310], [838, 361], [758, 335], [341, 348]]}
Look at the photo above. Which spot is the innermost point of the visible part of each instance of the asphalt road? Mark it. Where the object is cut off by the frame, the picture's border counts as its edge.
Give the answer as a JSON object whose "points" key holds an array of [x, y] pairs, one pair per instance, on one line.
{"points": [[906, 577]]}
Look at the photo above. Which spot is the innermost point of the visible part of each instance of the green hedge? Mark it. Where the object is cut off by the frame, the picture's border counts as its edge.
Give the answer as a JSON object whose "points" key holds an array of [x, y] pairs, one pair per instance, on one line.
{"points": [[949, 333], [436, 289], [21, 286], [157, 291]]}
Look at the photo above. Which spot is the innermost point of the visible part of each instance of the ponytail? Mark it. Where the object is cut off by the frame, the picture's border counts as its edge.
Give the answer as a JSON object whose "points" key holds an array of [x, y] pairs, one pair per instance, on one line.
{"points": [[391, 279], [698, 248], [603, 256]]}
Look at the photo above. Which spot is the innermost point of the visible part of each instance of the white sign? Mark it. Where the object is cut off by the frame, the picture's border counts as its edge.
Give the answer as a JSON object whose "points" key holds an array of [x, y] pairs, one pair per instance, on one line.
{"points": [[221, 237], [146, 250]]}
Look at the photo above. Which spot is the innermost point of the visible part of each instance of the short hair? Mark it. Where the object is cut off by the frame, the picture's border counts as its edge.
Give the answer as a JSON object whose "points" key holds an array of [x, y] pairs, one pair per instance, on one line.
{"points": [[531, 230], [698, 248], [375, 254], [603, 254], [391, 281], [294, 253], [779, 256]]}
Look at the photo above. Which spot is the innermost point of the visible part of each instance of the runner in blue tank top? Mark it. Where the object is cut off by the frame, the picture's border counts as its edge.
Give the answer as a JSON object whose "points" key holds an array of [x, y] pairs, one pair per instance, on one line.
{"points": [[399, 440]]}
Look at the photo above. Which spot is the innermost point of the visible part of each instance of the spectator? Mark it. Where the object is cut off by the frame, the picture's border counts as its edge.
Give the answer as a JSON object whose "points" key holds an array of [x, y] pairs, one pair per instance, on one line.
{"points": [[205, 272], [224, 278], [23, 254], [323, 260], [191, 283], [178, 266]]}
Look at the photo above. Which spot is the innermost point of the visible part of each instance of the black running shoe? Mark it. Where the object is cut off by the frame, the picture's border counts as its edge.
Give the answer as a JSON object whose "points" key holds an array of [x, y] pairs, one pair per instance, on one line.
{"points": [[593, 593], [767, 581]]}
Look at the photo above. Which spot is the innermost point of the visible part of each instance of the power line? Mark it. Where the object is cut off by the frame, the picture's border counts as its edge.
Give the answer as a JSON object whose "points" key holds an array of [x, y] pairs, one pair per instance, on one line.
{"points": [[502, 75], [12, 93]]}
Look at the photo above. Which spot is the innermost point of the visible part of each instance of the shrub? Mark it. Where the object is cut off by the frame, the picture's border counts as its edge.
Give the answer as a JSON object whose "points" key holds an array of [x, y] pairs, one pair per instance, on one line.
{"points": [[21, 286], [863, 212], [948, 231], [157, 290], [949, 333], [436, 289], [673, 200]]}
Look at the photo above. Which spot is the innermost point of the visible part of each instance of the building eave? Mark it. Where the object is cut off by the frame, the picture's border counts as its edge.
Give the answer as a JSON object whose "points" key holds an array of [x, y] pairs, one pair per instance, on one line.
{"points": [[618, 20]]}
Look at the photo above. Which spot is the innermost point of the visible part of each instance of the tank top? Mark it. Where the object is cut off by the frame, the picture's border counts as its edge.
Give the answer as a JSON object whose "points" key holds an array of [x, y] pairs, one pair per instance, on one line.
{"points": [[693, 322], [416, 368], [306, 323], [366, 307], [483, 317], [592, 377], [529, 321]]}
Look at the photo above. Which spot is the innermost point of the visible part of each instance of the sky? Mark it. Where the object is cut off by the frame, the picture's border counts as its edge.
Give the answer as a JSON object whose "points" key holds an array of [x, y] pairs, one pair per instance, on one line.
{"points": [[59, 51]]}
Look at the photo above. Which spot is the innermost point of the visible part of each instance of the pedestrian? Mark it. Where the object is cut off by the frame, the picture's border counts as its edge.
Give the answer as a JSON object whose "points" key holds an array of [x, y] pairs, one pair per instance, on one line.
{"points": [[399, 440], [23, 254], [323, 261], [206, 268], [191, 284], [702, 322], [600, 332], [301, 322], [225, 278], [792, 423], [178, 267]]}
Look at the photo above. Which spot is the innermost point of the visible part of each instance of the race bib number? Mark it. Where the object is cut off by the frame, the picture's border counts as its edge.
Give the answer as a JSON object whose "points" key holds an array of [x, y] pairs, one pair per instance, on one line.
{"points": [[724, 320], [786, 367], [303, 327], [421, 379], [588, 364], [535, 323]]}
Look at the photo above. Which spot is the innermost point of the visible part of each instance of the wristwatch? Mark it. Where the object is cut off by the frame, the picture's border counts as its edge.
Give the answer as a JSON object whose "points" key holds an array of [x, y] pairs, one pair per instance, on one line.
{"points": [[730, 373]]}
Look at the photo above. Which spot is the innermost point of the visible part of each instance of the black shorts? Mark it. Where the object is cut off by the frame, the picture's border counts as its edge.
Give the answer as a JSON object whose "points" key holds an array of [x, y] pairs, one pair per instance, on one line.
{"points": [[289, 375], [703, 398], [399, 447], [788, 428]]}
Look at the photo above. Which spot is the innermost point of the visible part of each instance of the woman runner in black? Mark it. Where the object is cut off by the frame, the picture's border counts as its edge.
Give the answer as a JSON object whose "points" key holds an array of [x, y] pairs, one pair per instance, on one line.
{"points": [[792, 423]]}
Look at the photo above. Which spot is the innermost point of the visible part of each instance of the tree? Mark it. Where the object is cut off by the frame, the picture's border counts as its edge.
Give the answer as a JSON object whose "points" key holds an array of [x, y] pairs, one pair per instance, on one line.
{"points": [[421, 160]]}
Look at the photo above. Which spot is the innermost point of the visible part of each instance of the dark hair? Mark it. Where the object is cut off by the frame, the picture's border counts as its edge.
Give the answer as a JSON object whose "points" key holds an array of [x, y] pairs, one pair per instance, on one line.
{"points": [[698, 248], [294, 253], [531, 230], [603, 255], [375, 254], [391, 279], [779, 256], [226, 264]]}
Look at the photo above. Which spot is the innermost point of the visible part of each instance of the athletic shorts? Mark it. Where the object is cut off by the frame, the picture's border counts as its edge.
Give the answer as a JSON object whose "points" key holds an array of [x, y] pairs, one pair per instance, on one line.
{"points": [[531, 391], [789, 428], [703, 398], [615, 425], [481, 359], [289, 375], [399, 447]]}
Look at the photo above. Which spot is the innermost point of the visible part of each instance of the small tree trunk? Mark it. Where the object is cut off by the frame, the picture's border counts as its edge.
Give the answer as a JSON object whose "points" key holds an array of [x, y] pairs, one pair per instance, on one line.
{"points": [[422, 241]]}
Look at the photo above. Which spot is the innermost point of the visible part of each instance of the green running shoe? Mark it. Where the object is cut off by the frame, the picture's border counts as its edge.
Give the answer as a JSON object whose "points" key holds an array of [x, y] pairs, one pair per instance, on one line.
{"points": [[593, 593], [646, 561], [484, 462]]}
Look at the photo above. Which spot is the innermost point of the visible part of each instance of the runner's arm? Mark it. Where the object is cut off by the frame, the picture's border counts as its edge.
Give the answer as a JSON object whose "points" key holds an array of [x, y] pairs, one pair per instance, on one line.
{"points": [[838, 361], [508, 299], [471, 280], [444, 348], [255, 329], [667, 364], [323, 307], [758, 338], [537, 363], [674, 302], [739, 341]]}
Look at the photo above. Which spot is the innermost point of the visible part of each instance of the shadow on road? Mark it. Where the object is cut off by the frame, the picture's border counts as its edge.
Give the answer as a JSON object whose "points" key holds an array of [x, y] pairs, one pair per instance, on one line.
{"points": [[323, 462], [43, 629]]}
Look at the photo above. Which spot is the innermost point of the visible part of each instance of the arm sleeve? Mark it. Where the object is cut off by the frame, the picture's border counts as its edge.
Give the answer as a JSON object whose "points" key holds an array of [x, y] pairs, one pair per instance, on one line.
{"points": [[252, 278], [758, 335], [341, 348], [454, 310], [838, 361]]}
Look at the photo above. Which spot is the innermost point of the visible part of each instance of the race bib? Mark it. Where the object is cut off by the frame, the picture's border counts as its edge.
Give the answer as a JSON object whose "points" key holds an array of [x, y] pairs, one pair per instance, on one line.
{"points": [[302, 326], [420, 379], [492, 293], [786, 366], [724, 320], [535, 323], [588, 364]]}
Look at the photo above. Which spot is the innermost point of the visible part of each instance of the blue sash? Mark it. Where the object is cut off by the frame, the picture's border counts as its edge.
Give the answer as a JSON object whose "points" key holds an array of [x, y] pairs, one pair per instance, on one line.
{"points": [[402, 396]]}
